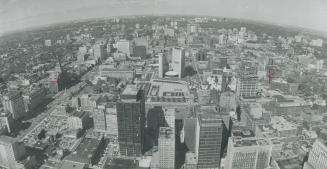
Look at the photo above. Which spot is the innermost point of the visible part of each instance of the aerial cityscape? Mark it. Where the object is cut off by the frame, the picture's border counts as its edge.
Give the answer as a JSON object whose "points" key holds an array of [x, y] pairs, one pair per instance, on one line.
{"points": [[163, 92]]}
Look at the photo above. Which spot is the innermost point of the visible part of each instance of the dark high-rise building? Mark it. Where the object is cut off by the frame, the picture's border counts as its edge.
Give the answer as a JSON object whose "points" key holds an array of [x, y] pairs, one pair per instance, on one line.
{"points": [[210, 141], [202, 55], [131, 121], [191, 131], [139, 51], [57, 80]]}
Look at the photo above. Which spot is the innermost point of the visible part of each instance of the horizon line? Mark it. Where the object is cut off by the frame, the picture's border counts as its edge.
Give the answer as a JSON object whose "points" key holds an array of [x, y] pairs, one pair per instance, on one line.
{"points": [[41, 26]]}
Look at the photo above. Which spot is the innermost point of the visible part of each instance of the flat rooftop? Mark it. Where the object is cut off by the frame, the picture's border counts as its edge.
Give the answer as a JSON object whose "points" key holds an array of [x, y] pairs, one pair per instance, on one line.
{"points": [[84, 151], [280, 123], [7, 140], [169, 89], [247, 142], [130, 90], [293, 163], [72, 165], [122, 164]]}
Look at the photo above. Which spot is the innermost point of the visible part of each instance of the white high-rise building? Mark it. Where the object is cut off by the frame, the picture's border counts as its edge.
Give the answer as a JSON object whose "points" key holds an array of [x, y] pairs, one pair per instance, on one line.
{"points": [[47, 42], [99, 51], [170, 117], [317, 156], [178, 61], [124, 47], [166, 146], [248, 153], [10, 152], [14, 103], [163, 65]]}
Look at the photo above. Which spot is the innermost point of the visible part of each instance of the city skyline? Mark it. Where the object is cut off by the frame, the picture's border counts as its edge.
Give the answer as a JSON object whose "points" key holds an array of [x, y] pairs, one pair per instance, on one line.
{"points": [[20, 15], [163, 91]]}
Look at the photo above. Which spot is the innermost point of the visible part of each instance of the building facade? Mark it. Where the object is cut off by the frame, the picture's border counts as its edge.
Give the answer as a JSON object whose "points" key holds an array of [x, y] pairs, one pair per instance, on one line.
{"points": [[248, 153], [131, 121], [10, 152], [163, 64], [178, 61], [210, 141], [14, 103], [317, 156], [166, 145]]}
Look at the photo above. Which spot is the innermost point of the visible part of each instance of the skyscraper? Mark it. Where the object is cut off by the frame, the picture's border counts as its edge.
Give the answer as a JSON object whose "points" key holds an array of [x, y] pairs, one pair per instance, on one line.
{"points": [[247, 86], [99, 52], [105, 120], [163, 65], [166, 148], [6, 122], [131, 121], [192, 130], [14, 103], [248, 153], [178, 61], [210, 141], [124, 47], [10, 152], [139, 51], [317, 156], [57, 80]]}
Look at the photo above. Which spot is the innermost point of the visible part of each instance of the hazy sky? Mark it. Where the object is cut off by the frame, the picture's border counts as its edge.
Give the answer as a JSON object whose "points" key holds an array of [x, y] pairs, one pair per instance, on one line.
{"points": [[19, 14]]}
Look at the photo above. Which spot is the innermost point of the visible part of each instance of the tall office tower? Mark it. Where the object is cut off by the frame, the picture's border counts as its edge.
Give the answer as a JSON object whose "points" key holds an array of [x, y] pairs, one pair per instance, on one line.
{"points": [[163, 65], [14, 103], [99, 52], [317, 156], [10, 152], [178, 61], [210, 141], [105, 120], [109, 48], [82, 51], [56, 81], [124, 47], [192, 131], [131, 121], [170, 117], [139, 51], [247, 86], [99, 120], [166, 148], [6, 122], [248, 153]]}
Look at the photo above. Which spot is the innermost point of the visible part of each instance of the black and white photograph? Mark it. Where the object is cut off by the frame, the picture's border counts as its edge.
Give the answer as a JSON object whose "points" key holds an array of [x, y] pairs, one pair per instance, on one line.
{"points": [[163, 84]]}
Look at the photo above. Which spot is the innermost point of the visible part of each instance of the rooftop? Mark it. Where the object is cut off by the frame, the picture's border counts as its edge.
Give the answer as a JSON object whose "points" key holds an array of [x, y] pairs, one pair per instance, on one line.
{"points": [[130, 90], [122, 164], [7, 140], [293, 163], [251, 141], [72, 165], [79, 114], [166, 132], [84, 151], [280, 123]]}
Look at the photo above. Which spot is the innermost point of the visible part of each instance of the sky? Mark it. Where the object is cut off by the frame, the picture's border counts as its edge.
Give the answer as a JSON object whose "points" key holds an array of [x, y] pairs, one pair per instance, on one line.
{"points": [[21, 14]]}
